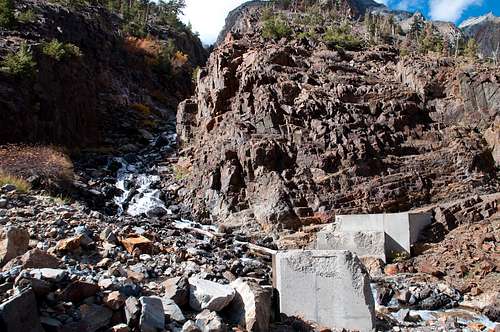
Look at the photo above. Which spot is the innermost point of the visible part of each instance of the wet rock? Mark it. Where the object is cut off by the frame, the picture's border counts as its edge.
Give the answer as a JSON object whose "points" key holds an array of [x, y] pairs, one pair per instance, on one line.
{"points": [[493, 312], [152, 316], [13, 242], [95, 317], [205, 294], [3, 203], [20, 313], [208, 321], [177, 289], [251, 307]]}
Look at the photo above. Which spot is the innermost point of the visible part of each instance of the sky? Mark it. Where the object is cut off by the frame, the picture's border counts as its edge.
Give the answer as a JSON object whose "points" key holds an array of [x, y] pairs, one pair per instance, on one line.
{"points": [[208, 16]]}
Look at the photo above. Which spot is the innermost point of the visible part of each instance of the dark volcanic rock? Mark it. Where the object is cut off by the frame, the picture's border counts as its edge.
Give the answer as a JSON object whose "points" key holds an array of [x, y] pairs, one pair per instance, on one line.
{"points": [[281, 127], [74, 101]]}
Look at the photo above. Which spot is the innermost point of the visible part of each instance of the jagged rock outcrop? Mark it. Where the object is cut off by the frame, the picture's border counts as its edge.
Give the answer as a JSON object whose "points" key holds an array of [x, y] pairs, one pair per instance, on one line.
{"points": [[72, 101], [486, 30], [243, 19], [281, 132]]}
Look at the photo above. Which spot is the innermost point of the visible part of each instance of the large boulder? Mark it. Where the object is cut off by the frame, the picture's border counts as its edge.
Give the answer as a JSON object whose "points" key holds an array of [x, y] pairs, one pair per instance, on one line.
{"points": [[205, 294], [20, 313], [13, 242], [251, 307]]}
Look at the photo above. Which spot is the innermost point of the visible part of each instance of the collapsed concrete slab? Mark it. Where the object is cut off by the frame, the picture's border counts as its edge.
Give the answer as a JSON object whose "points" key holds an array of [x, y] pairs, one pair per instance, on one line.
{"points": [[375, 235], [328, 287]]}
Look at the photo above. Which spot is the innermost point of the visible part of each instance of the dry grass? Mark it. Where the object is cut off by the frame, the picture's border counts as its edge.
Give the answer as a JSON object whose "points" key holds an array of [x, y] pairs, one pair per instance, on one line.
{"points": [[21, 185], [50, 165]]}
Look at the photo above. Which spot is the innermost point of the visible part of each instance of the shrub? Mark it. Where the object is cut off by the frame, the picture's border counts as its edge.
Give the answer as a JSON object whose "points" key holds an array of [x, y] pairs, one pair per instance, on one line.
{"points": [[163, 61], [21, 185], [7, 18], [59, 51], [20, 63], [54, 49], [141, 108], [342, 37], [28, 16], [276, 28], [72, 50], [196, 71], [51, 166], [471, 48]]}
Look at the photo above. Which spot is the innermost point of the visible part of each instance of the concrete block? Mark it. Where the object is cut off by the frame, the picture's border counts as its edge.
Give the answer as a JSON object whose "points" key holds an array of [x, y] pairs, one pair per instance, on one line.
{"points": [[401, 229], [363, 244], [328, 287]]}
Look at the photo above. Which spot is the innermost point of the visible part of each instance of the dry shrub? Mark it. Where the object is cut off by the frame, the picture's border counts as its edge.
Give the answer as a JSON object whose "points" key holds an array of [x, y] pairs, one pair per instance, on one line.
{"points": [[143, 46], [51, 168], [142, 109], [21, 184], [179, 60]]}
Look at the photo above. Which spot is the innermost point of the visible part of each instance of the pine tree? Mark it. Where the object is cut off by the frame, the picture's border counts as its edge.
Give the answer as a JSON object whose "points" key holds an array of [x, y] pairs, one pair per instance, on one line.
{"points": [[471, 49]]}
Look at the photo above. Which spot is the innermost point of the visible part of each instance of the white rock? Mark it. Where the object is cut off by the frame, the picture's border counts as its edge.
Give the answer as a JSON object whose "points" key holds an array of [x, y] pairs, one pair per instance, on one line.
{"points": [[205, 294], [54, 275], [208, 321], [251, 307]]}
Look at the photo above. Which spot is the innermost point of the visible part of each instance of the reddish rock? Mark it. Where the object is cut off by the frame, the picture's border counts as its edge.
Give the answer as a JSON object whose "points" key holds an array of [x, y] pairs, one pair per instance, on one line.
{"points": [[137, 242], [78, 291]]}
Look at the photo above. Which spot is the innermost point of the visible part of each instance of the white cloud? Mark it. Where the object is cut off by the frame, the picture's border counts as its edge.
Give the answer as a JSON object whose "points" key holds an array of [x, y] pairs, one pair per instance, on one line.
{"points": [[449, 10], [385, 2], [208, 16]]}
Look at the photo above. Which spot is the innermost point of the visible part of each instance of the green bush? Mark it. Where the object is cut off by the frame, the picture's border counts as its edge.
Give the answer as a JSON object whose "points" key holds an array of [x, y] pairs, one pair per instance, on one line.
{"points": [[28, 16], [471, 49], [20, 63], [276, 28], [7, 18], [341, 37], [59, 51]]}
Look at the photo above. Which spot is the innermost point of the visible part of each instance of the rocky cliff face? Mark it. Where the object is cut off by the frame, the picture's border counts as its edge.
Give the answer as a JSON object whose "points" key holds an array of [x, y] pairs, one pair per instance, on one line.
{"points": [[285, 133], [74, 101], [486, 30]]}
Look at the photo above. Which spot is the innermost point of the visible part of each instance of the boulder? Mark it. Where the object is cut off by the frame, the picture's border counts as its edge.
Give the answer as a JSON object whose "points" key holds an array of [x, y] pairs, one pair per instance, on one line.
{"points": [[205, 294], [152, 316], [132, 311], [172, 311], [78, 291], [13, 242], [34, 259], [251, 307], [190, 326], [177, 289], [95, 317], [140, 242], [209, 321], [20, 313]]}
